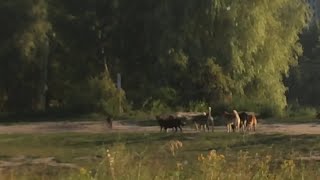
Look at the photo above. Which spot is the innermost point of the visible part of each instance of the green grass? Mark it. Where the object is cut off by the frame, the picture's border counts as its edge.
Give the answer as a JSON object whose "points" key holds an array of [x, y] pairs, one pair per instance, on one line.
{"points": [[68, 147]]}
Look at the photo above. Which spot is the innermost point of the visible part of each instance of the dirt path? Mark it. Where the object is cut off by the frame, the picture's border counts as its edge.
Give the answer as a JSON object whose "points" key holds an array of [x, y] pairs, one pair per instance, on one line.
{"points": [[294, 129], [85, 126], [101, 127]]}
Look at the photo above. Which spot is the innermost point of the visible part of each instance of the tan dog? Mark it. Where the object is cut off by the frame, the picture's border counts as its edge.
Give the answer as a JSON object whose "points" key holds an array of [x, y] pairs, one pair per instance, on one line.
{"points": [[229, 120], [252, 122], [236, 120]]}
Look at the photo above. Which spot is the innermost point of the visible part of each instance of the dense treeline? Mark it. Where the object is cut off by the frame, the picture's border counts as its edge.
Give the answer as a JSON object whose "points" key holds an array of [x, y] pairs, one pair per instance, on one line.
{"points": [[67, 54], [304, 79]]}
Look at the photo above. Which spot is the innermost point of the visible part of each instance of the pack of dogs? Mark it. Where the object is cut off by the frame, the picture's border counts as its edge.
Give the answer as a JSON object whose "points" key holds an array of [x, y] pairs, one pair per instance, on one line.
{"points": [[240, 121], [234, 121]]}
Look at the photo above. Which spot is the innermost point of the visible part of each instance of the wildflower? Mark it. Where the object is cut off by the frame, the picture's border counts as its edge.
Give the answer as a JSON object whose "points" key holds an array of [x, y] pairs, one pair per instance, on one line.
{"points": [[111, 162], [212, 155], [201, 157], [288, 164], [221, 156], [174, 145], [288, 168], [179, 166], [83, 171]]}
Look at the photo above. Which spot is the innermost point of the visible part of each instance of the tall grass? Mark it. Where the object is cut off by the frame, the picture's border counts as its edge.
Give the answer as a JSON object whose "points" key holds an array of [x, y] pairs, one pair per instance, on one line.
{"points": [[120, 163], [300, 111], [164, 156]]}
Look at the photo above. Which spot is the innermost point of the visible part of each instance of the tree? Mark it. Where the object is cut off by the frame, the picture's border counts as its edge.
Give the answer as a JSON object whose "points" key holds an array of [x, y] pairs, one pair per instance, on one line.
{"points": [[303, 82], [205, 50], [24, 55], [169, 52]]}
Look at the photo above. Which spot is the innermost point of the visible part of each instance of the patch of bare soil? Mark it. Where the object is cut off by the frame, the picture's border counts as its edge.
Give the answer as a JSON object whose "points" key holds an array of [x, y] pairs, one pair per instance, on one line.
{"points": [[20, 161], [294, 129], [120, 126], [57, 127]]}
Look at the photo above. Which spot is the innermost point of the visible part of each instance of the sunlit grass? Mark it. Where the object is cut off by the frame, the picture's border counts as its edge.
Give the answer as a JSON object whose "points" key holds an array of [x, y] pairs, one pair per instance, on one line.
{"points": [[173, 155]]}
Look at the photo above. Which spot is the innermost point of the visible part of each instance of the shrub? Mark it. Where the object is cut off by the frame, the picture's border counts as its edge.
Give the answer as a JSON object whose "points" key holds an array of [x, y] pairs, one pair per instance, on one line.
{"points": [[97, 94], [295, 110], [198, 106], [167, 95]]}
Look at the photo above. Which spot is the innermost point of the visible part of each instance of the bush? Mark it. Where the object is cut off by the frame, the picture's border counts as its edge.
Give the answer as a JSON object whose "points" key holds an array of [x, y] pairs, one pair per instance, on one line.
{"points": [[98, 94], [155, 107], [198, 106], [167, 95], [267, 111], [295, 110], [264, 108]]}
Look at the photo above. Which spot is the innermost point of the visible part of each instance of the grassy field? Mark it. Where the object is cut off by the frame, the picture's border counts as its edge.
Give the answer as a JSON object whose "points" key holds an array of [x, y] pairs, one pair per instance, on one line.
{"points": [[162, 156]]}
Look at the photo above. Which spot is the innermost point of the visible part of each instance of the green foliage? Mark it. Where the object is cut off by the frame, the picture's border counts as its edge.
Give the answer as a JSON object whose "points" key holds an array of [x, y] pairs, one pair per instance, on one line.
{"points": [[156, 107], [198, 107], [33, 38], [167, 95], [184, 156], [171, 52], [97, 94], [296, 110], [23, 54], [262, 48], [303, 82], [270, 110]]}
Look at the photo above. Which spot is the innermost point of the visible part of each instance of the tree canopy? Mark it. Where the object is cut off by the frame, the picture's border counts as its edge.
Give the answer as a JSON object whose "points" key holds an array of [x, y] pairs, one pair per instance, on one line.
{"points": [[67, 54]]}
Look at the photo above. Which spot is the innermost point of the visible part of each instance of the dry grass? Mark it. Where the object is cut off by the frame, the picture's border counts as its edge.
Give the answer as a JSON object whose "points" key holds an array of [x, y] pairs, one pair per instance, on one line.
{"points": [[163, 156]]}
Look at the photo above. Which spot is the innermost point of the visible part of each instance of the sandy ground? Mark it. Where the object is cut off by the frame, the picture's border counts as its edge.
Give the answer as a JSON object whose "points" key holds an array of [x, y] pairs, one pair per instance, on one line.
{"points": [[119, 126]]}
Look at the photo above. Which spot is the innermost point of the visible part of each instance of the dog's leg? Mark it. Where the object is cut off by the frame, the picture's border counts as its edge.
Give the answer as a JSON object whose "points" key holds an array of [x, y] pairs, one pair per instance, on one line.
{"points": [[196, 126]]}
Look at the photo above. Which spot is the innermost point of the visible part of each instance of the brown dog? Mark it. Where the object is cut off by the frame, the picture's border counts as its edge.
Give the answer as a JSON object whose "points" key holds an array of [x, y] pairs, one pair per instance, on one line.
{"points": [[229, 120], [252, 122]]}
